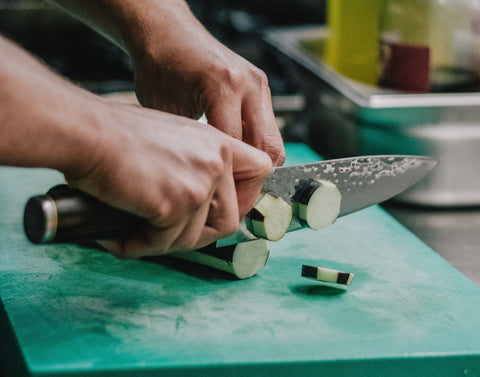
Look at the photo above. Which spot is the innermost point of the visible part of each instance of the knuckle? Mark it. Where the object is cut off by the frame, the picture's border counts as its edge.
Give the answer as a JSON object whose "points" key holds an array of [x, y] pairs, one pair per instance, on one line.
{"points": [[276, 152], [217, 163], [230, 76], [218, 166], [260, 78], [279, 155], [195, 197], [160, 211], [236, 77]]}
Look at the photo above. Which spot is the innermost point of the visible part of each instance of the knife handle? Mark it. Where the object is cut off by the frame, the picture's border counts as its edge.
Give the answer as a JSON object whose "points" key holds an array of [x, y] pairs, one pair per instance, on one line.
{"points": [[67, 215]]}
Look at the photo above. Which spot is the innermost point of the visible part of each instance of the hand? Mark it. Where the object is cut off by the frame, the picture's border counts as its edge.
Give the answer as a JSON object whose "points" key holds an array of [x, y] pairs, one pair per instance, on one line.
{"points": [[179, 67], [192, 182], [233, 94], [183, 70]]}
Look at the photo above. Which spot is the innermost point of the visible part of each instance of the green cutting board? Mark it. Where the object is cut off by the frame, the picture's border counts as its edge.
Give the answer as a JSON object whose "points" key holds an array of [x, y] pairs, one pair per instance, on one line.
{"points": [[76, 311]]}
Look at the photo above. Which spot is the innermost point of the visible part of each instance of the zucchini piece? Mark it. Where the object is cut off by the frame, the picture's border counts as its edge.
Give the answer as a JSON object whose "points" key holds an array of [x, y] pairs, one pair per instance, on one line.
{"points": [[327, 274], [318, 204], [270, 217], [242, 260]]}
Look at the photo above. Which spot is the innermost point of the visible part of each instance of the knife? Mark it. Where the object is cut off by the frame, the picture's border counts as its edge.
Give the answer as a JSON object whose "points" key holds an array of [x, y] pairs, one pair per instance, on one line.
{"points": [[68, 215]]}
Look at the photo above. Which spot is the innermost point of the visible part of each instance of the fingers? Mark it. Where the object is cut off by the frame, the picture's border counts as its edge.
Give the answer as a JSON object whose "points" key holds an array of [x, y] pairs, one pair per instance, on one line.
{"points": [[223, 215], [188, 233], [260, 127], [250, 168], [247, 115], [191, 227], [217, 217], [226, 116]]}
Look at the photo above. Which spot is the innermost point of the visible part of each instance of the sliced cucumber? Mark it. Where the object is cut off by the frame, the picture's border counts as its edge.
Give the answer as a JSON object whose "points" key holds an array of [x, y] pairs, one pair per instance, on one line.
{"points": [[242, 260], [318, 204], [270, 217], [327, 274]]}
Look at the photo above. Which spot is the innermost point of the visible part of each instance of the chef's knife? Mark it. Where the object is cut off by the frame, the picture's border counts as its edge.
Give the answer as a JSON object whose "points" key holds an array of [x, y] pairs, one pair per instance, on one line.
{"points": [[66, 215]]}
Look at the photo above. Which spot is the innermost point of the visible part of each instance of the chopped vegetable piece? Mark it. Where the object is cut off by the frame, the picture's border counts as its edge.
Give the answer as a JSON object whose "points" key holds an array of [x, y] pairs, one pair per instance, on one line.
{"points": [[327, 275], [270, 217], [318, 204], [242, 260]]}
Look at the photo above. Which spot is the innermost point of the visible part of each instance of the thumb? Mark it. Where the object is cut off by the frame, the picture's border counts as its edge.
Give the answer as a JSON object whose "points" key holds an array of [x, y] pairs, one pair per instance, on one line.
{"points": [[251, 167]]}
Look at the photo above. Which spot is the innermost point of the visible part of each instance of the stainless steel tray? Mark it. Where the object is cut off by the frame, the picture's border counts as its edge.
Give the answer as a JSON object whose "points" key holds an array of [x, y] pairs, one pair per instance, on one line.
{"points": [[352, 118]]}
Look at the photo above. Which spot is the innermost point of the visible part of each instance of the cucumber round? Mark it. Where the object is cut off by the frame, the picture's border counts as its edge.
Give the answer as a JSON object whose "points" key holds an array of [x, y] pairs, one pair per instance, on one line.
{"points": [[270, 217], [242, 260], [318, 205]]}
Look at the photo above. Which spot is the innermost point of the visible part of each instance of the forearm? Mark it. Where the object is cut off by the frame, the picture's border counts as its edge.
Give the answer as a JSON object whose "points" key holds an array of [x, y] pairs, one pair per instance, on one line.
{"points": [[134, 25], [42, 121]]}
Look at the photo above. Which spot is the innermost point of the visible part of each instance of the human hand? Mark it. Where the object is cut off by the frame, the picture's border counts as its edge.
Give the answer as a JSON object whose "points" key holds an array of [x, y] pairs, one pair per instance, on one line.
{"points": [[189, 180], [180, 68], [192, 182]]}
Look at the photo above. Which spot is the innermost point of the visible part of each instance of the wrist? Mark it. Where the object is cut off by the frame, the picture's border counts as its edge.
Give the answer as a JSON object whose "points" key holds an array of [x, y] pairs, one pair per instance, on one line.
{"points": [[131, 24], [80, 133], [160, 29]]}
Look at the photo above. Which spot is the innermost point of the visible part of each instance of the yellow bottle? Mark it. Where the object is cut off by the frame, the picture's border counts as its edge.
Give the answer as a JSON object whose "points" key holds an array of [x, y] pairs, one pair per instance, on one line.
{"points": [[351, 47]]}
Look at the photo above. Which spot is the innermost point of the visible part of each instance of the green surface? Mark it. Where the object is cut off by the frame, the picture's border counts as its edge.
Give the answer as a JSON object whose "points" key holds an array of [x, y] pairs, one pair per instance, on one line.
{"points": [[78, 311]]}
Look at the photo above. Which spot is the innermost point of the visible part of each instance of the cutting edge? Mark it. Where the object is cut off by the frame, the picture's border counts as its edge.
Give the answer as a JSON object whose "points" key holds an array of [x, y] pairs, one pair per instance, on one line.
{"points": [[362, 181]]}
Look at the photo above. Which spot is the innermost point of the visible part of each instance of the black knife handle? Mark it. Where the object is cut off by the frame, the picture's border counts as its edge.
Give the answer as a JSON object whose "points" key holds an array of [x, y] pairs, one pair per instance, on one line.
{"points": [[67, 215]]}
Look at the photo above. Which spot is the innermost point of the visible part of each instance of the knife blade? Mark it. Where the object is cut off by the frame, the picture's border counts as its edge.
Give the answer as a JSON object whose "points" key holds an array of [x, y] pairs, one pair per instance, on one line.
{"points": [[362, 182], [68, 215]]}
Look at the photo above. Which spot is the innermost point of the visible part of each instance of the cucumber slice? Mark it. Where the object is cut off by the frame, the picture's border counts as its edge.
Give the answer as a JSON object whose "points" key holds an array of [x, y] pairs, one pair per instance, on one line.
{"points": [[270, 217], [327, 274], [318, 204], [242, 260]]}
